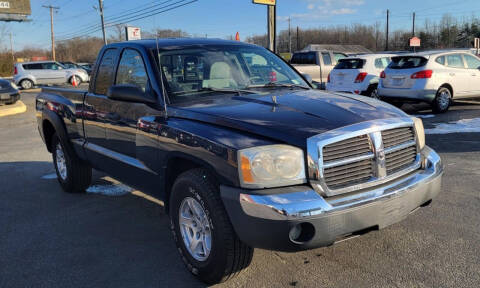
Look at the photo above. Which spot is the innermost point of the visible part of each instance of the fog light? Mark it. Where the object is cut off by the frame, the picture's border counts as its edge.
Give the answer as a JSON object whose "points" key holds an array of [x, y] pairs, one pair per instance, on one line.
{"points": [[301, 233]]}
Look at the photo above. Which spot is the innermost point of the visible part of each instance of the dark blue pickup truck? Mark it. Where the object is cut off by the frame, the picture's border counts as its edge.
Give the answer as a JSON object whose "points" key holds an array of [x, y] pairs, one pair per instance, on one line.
{"points": [[243, 152]]}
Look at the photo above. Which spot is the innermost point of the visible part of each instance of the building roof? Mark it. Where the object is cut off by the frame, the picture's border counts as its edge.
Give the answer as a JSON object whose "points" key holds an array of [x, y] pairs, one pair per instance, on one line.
{"points": [[347, 49]]}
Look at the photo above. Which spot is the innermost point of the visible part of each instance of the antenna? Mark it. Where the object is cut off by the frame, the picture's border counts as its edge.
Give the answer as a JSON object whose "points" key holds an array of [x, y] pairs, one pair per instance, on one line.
{"points": [[164, 92]]}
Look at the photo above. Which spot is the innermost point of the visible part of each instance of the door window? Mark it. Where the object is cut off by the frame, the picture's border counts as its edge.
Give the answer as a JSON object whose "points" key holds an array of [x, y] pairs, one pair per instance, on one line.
{"points": [[51, 66], [327, 59], [455, 61], [131, 70], [104, 75], [472, 62]]}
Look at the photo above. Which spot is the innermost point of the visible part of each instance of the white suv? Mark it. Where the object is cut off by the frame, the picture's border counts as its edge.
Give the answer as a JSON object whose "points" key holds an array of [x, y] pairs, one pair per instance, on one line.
{"points": [[435, 77], [358, 75]]}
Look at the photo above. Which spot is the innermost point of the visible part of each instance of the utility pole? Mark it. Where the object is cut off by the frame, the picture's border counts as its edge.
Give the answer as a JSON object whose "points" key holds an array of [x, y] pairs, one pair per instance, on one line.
{"points": [[100, 4], [289, 36], [386, 36], [271, 28], [11, 48], [298, 39], [51, 27], [413, 25]]}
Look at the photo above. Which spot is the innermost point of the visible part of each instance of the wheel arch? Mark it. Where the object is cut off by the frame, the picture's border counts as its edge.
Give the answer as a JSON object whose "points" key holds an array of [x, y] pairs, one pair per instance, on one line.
{"points": [[448, 86], [177, 164], [51, 124]]}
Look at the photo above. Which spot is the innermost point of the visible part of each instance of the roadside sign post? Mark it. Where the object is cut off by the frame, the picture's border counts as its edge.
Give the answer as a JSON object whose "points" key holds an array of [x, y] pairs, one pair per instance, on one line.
{"points": [[271, 21], [415, 42], [132, 33]]}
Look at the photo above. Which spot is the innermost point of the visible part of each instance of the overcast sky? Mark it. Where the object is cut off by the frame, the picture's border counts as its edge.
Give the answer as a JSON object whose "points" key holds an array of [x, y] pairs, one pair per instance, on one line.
{"points": [[221, 18]]}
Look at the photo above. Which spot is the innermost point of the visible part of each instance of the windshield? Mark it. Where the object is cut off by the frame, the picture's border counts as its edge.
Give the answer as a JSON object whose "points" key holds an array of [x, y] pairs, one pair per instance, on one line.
{"points": [[200, 72]]}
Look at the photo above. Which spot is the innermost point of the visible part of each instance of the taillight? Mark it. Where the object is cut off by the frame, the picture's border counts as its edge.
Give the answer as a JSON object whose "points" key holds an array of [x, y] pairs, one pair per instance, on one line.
{"points": [[422, 74], [328, 78], [361, 77], [383, 75], [15, 71]]}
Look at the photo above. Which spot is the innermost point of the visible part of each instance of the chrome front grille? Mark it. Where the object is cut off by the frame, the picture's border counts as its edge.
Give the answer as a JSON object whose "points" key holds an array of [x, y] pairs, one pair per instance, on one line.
{"points": [[400, 148], [362, 155], [339, 173]]}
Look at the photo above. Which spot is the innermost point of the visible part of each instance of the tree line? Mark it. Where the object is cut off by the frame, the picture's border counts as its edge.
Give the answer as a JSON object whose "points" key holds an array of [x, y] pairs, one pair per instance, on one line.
{"points": [[448, 32]]}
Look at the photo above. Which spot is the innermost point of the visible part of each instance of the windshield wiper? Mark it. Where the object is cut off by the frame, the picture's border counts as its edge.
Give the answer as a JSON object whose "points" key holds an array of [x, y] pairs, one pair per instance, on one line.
{"points": [[237, 91], [276, 84]]}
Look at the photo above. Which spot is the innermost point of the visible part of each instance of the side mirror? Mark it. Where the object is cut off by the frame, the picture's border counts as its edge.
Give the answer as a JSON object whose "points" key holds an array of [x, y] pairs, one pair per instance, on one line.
{"points": [[308, 78], [129, 93]]}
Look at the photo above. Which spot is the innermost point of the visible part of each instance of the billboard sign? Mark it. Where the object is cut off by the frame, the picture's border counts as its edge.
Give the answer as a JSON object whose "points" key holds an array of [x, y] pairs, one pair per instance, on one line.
{"points": [[133, 33], [14, 10], [265, 2], [414, 42]]}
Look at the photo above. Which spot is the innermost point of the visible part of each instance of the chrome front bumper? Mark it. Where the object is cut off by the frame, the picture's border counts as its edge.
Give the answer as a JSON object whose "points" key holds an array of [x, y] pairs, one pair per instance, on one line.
{"points": [[262, 219]]}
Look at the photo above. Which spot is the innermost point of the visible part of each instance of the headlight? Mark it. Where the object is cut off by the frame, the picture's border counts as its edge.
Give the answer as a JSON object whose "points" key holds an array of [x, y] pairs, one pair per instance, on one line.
{"points": [[271, 166], [420, 131], [14, 85]]}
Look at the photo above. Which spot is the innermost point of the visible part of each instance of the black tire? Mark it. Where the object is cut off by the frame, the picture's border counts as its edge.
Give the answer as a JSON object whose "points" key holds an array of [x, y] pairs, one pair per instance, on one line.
{"points": [[372, 91], [228, 255], [79, 80], [442, 100], [78, 176], [26, 84]]}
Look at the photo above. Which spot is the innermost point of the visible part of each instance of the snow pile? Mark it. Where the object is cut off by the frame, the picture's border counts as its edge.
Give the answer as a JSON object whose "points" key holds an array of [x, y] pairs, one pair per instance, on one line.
{"points": [[461, 126], [110, 189]]}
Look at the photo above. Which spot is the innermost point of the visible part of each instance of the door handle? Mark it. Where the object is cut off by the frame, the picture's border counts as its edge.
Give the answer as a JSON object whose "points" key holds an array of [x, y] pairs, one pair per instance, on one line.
{"points": [[452, 74]]}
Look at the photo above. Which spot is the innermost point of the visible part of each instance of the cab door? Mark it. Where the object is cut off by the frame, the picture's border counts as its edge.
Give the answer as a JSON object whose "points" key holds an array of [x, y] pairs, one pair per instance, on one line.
{"points": [[96, 108], [53, 73], [458, 75], [132, 127]]}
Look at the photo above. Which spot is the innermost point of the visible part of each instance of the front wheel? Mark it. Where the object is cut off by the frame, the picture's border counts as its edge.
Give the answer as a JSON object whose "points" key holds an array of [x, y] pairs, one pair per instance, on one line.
{"points": [[73, 175], [26, 84], [372, 92], [442, 100], [202, 230]]}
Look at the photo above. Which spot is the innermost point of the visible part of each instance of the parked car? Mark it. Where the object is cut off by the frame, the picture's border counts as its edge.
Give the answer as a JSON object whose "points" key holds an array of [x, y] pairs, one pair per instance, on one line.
{"points": [[29, 74], [359, 75], [72, 65], [243, 152], [9, 93], [316, 64], [435, 77]]}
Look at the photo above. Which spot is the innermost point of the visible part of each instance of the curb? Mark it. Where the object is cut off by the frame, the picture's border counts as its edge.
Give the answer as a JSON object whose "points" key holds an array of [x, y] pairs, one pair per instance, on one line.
{"points": [[16, 108]]}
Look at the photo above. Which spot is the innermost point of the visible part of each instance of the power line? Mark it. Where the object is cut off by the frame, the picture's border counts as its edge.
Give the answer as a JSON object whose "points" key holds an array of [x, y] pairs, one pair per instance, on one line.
{"points": [[177, 4]]}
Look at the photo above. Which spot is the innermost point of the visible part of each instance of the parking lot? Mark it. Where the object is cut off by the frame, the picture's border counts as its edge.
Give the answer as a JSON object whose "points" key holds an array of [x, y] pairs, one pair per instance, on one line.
{"points": [[52, 239]]}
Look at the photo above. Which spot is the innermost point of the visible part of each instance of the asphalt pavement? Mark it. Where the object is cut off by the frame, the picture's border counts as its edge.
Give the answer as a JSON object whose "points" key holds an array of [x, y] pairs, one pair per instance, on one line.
{"points": [[52, 239]]}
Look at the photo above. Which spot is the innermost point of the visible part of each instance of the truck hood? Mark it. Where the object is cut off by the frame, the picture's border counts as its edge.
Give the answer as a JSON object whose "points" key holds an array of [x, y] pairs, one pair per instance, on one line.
{"points": [[285, 115]]}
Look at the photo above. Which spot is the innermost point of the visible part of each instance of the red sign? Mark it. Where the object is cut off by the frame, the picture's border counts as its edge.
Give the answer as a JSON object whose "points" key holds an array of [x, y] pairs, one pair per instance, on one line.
{"points": [[414, 42]]}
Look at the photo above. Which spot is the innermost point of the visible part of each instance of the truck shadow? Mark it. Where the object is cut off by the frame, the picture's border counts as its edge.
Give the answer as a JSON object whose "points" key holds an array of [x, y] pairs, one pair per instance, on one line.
{"points": [[82, 240]]}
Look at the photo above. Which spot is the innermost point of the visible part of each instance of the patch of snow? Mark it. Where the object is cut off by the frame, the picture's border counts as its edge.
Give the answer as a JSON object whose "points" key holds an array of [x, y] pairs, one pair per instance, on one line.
{"points": [[461, 126], [110, 189], [50, 176], [424, 116]]}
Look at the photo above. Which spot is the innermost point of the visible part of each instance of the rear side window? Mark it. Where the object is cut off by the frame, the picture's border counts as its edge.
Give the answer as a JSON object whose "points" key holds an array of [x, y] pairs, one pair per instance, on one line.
{"points": [[131, 70], [350, 64], [440, 60], [472, 62], [36, 66], [381, 63], [304, 58], [407, 62], [104, 77], [455, 61], [327, 60]]}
